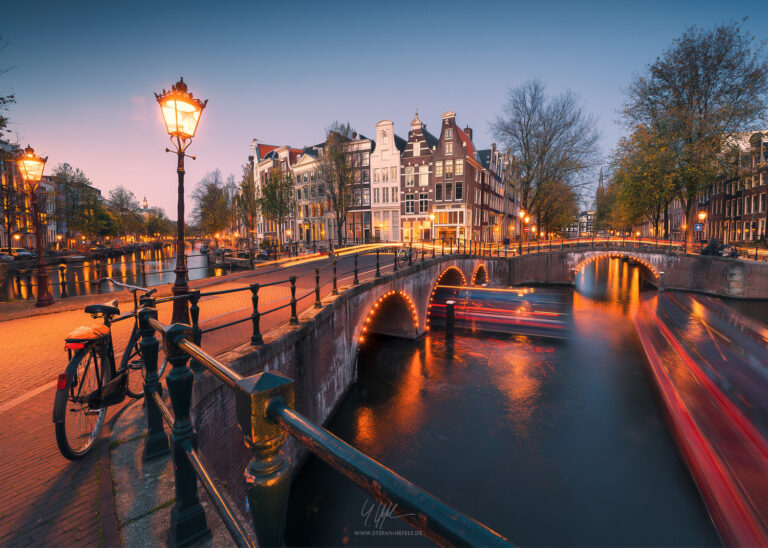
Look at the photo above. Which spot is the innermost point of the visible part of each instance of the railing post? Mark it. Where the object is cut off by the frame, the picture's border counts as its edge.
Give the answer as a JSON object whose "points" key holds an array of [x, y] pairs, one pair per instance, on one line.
{"points": [[335, 290], [143, 271], [433, 250], [422, 251], [156, 442], [63, 281], [294, 317], [396, 250], [256, 338], [268, 474], [442, 249], [355, 281], [318, 304], [188, 521], [378, 271], [661, 281], [197, 333], [410, 253]]}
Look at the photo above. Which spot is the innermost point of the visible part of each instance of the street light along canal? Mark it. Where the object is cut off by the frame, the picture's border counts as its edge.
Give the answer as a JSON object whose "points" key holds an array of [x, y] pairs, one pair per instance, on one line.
{"points": [[548, 442]]}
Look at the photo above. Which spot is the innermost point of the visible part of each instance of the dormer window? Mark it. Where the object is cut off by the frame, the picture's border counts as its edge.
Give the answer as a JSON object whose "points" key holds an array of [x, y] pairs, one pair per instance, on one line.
{"points": [[449, 133]]}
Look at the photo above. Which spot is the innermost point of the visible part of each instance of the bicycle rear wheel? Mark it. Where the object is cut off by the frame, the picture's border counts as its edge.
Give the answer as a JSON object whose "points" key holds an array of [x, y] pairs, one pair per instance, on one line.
{"points": [[77, 424]]}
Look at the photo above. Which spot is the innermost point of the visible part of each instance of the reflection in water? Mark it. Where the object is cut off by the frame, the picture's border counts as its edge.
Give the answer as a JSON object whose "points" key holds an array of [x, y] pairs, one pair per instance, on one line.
{"points": [[80, 276], [547, 442]]}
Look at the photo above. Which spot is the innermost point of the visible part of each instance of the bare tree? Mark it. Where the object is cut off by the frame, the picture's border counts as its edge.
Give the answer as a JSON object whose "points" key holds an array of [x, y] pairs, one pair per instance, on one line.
{"points": [[335, 173], [709, 85], [211, 211], [276, 200], [247, 203], [554, 141]]}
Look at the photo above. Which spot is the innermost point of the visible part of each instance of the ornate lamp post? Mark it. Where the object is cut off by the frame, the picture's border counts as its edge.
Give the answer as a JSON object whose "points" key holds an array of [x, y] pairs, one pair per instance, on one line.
{"points": [[31, 169], [181, 113], [702, 220]]}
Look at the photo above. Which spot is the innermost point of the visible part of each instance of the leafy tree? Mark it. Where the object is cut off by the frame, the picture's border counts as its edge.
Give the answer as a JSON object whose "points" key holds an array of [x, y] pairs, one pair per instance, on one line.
{"points": [[561, 209], [247, 203], [125, 206], [94, 220], [707, 86], [72, 189], [276, 200], [335, 173], [158, 223], [5, 100], [553, 139], [211, 211]]}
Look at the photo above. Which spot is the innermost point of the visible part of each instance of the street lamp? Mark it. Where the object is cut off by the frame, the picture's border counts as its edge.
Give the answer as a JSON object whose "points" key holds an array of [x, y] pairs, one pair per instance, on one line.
{"points": [[31, 169], [181, 114], [702, 219], [431, 227]]}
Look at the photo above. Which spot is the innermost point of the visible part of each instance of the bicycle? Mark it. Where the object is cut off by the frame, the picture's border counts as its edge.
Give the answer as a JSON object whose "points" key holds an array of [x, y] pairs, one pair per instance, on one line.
{"points": [[91, 382]]}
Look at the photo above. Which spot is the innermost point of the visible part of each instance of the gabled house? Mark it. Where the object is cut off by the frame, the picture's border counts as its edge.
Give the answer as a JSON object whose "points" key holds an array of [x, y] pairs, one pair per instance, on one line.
{"points": [[416, 192]]}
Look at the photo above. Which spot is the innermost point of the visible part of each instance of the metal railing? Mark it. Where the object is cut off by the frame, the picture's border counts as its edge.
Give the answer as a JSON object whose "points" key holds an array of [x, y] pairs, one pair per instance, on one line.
{"points": [[265, 413]]}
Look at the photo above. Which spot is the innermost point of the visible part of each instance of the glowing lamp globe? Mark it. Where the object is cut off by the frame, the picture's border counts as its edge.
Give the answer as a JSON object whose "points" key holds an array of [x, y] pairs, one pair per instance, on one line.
{"points": [[31, 167], [181, 111]]}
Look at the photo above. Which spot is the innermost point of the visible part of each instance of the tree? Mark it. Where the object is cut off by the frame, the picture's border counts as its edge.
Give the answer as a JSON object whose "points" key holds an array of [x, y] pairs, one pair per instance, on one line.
{"points": [[125, 206], [247, 202], [211, 211], [709, 85], [335, 173], [644, 176], [94, 220], [72, 187], [158, 223], [561, 209], [553, 139], [276, 200], [5, 100]]}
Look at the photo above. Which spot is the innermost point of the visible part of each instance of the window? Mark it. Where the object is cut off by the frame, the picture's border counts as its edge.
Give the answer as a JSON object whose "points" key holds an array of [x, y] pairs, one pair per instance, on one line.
{"points": [[384, 175], [385, 195], [312, 176], [459, 192], [299, 194], [306, 193], [298, 179], [312, 192], [438, 169], [417, 148], [762, 203], [366, 197], [358, 177], [438, 192], [394, 194], [394, 174], [366, 175], [366, 158], [459, 167], [754, 203], [448, 192], [375, 195], [449, 147], [305, 177], [357, 199], [449, 133], [424, 175], [423, 202], [409, 176], [409, 204], [376, 175], [449, 169]]}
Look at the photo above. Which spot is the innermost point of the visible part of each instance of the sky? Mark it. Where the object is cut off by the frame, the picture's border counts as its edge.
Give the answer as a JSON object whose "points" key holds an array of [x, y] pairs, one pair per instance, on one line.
{"points": [[84, 73]]}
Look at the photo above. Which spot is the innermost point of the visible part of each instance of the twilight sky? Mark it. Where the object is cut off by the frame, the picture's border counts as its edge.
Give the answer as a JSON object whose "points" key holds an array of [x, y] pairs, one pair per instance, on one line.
{"points": [[84, 73]]}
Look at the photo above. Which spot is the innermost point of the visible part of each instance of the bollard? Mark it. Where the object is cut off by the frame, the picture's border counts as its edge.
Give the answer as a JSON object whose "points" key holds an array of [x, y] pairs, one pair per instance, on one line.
{"points": [[294, 317], [433, 251], [99, 290], [63, 281], [410, 253], [442, 249], [661, 281], [318, 304], [335, 289], [156, 442], [378, 272], [188, 521], [268, 473], [422, 252], [756, 257], [355, 281], [256, 337], [143, 267], [450, 317], [197, 333]]}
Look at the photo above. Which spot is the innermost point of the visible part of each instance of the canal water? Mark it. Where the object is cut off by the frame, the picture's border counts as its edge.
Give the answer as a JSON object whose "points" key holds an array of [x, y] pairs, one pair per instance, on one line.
{"points": [[80, 276], [549, 442]]}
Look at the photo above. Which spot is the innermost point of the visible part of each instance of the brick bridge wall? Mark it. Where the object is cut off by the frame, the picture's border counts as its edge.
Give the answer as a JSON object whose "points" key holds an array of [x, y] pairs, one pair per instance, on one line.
{"points": [[320, 353]]}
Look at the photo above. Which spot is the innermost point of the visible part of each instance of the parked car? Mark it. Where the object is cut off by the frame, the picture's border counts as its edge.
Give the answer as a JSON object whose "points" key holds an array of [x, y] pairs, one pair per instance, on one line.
{"points": [[5, 257], [404, 253], [21, 253], [263, 255]]}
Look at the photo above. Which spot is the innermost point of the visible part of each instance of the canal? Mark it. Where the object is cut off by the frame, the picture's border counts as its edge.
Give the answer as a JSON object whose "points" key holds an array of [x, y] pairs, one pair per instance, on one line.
{"points": [[549, 442], [80, 276]]}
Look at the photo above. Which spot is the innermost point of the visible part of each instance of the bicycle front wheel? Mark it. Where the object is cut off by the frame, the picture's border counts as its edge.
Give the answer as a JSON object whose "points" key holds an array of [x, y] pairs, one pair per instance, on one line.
{"points": [[77, 424]]}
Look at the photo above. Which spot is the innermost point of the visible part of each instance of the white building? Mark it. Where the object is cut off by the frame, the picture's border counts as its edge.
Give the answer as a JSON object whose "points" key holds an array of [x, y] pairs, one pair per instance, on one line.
{"points": [[385, 182]]}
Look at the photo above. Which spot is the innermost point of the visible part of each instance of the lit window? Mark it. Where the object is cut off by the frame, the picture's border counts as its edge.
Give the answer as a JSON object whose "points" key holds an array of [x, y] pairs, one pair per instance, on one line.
{"points": [[459, 167], [423, 175], [448, 133], [449, 169], [438, 169], [394, 173], [384, 175], [423, 202], [409, 176], [449, 147], [376, 175], [394, 194]]}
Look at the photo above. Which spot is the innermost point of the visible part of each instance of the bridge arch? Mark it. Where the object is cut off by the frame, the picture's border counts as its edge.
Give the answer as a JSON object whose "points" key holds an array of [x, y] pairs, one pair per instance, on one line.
{"points": [[480, 275], [394, 314], [452, 275], [617, 255]]}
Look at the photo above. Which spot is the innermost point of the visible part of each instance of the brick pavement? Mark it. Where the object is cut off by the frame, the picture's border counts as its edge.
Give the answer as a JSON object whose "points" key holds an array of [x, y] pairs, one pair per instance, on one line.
{"points": [[50, 501]]}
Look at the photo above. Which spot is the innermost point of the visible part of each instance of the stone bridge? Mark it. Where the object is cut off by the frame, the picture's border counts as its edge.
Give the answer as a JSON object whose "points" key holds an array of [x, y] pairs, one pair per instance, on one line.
{"points": [[320, 354]]}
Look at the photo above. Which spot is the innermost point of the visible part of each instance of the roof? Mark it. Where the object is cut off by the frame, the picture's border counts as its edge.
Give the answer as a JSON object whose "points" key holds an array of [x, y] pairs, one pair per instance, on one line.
{"points": [[466, 140], [264, 150], [400, 143], [485, 157], [431, 139]]}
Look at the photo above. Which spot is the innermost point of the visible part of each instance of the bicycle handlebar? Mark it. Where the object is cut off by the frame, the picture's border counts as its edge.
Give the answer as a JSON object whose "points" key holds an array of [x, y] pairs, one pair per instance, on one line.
{"points": [[132, 288]]}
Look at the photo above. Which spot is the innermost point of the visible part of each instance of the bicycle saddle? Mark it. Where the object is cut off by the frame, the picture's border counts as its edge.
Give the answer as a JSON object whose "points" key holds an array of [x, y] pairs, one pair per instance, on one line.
{"points": [[109, 308]]}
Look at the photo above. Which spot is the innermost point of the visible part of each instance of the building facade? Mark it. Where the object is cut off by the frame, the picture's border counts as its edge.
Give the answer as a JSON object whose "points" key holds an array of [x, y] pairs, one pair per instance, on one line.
{"points": [[359, 227], [385, 182], [416, 183]]}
